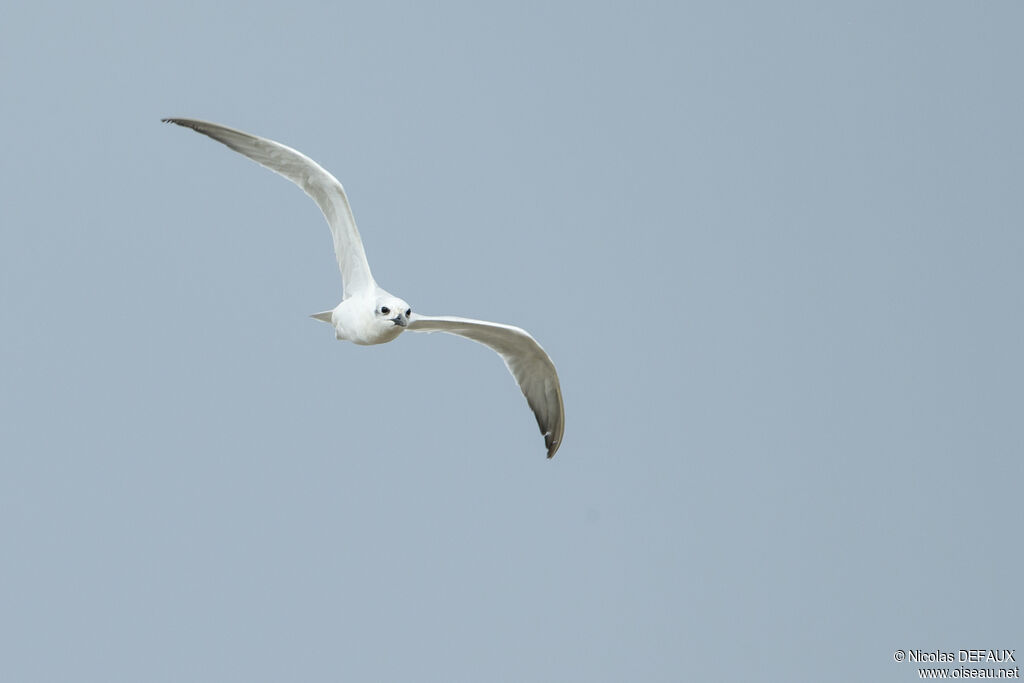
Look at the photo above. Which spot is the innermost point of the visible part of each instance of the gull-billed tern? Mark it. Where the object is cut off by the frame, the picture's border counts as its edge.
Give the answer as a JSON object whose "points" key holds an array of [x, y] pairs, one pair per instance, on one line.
{"points": [[367, 313]]}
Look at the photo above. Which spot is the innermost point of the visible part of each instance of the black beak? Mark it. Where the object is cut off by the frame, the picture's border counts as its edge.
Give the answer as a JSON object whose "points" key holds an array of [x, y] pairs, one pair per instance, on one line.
{"points": [[400, 321]]}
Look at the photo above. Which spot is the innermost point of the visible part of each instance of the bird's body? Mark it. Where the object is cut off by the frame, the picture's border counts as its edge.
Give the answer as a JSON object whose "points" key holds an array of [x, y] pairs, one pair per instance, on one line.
{"points": [[370, 315], [370, 318]]}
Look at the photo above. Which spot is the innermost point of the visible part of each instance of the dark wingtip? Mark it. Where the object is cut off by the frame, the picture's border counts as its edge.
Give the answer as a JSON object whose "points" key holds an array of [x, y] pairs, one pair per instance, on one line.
{"points": [[186, 123]]}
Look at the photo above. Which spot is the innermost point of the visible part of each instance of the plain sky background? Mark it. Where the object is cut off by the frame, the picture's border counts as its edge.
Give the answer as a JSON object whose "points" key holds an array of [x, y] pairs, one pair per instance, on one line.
{"points": [[775, 250]]}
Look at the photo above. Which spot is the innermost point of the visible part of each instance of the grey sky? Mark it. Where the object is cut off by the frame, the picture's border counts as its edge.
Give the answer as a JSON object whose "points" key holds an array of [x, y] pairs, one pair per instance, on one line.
{"points": [[774, 250]]}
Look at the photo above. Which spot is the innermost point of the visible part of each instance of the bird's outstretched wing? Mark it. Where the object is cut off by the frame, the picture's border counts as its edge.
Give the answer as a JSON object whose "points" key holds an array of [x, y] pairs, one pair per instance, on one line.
{"points": [[324, 189], [524, 358]]}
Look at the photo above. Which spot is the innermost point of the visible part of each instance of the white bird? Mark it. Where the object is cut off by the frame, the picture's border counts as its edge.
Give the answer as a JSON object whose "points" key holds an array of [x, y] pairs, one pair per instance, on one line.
{"points": [[368, 314]]}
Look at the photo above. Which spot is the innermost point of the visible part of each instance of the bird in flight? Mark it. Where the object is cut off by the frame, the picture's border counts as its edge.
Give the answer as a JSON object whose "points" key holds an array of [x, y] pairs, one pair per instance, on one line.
{"points": [[367, 313]]}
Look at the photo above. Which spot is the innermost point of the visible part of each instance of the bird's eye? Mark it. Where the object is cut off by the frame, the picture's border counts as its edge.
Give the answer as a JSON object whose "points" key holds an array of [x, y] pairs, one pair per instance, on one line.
{"points": [[408, 312], [385, 310]]}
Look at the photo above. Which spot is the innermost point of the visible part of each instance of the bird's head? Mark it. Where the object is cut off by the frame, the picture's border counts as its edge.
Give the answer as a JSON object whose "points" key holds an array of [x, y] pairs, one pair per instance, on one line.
{"points": [[391, 314]]}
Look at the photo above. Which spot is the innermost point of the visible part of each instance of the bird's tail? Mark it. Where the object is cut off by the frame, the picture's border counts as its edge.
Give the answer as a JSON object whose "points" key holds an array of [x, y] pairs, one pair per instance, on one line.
{"points": [[325, 316]]}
